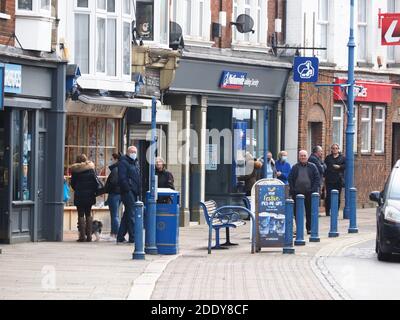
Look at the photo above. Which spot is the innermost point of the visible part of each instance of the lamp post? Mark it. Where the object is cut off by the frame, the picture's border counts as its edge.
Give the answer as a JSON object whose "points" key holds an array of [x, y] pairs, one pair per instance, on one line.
{"points": [[151, 205], [349, 172]]}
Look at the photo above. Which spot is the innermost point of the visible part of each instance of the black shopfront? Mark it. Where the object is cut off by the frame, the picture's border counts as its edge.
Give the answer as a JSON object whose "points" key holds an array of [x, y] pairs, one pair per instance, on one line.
{"points": [[32, 129]]}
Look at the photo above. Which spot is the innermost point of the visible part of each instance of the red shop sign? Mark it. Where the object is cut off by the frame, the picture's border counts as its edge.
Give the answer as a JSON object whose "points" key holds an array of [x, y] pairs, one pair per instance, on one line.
{"points": [[371, 92]]}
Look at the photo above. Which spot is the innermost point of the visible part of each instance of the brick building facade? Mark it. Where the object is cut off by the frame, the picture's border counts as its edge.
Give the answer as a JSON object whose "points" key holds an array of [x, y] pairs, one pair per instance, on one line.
{"points": [[7, 21], [316, 127]]}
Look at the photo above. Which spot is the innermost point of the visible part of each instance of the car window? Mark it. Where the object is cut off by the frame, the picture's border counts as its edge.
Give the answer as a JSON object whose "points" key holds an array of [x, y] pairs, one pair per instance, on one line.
{"points": [[395, 186]]}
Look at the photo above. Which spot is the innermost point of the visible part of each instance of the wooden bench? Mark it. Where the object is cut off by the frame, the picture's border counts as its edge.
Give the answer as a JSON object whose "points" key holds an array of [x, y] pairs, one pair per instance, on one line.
{"points": [[224, 217]]}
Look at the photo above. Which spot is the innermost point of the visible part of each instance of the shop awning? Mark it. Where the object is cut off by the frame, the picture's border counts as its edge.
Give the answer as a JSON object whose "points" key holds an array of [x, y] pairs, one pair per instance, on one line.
{"points": [[112, 107], [113, 101]]}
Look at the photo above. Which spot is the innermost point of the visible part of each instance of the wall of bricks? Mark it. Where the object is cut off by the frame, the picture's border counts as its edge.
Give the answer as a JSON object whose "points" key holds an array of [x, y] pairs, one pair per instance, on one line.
{"points": [[227, 6], [7, 26], [371, 170]]}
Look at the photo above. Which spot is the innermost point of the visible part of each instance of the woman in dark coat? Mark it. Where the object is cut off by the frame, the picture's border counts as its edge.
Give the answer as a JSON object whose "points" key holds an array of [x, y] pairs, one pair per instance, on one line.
{"points": [[84, 184]]}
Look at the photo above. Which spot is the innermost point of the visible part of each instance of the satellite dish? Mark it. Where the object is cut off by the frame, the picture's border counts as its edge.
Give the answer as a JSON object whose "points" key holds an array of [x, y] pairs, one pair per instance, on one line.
{"points": [[244, 23], [175, 36]]}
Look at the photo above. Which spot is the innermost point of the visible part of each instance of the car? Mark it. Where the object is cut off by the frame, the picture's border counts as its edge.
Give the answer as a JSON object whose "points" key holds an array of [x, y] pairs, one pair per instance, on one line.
{"points": [[388, 216]]}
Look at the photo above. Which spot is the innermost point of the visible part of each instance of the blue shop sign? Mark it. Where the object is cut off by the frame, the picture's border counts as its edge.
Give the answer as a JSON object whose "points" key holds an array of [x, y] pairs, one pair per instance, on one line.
{"points": [[233, 80], [305, 69], [1, 87], [13, 78]]}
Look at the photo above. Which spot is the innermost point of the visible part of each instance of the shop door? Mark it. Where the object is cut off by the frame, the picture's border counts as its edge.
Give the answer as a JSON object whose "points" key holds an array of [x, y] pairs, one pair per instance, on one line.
{"points": [[314, 135], [4, 178], [41, 181], [396, 143]]}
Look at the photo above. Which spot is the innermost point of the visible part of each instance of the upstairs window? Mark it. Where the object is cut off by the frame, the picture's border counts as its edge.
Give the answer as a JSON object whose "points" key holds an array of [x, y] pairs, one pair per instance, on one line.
{"points": [[362, 31], [393, 6], [35, 6], [3, 14], [257, 10], [322, 26], [152, 20]]}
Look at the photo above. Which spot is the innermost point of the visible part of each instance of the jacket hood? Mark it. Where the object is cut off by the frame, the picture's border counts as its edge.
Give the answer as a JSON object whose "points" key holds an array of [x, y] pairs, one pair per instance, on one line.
{"points": [[114, 165], [82, 166]]}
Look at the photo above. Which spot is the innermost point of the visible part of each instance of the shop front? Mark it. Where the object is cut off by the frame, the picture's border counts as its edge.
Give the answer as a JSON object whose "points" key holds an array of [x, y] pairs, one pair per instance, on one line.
{"points": [[230, 109], [31, 150]]}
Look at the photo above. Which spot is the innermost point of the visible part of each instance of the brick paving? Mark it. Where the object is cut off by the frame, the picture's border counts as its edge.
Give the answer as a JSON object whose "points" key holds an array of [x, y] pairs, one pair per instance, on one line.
{"points": [[103, 270]]}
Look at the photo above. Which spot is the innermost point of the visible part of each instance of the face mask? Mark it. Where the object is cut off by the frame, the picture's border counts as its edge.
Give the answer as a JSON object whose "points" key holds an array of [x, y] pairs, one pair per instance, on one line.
{"points": [[133, 156], [284, 158]]}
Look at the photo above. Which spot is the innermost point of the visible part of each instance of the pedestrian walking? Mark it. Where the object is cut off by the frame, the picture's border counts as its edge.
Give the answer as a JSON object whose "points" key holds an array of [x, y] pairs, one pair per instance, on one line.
{"points": [[165, 179], [304, 179], [130, 187], [283, 167], [85, 185], [114, 194], [252, 173], [316, 158], [334, 175]]}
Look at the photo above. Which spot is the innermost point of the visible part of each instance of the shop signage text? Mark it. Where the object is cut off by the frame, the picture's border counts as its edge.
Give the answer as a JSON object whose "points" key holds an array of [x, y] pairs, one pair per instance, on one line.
{"points": [[237, 80], [13, 78], [391, 30], [367, 91]]}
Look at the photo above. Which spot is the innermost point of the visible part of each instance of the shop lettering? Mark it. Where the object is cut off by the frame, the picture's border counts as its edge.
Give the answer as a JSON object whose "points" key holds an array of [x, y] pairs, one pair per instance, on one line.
{"points": [[252, 83], [13, 79], [363, 93], [237, 80]]}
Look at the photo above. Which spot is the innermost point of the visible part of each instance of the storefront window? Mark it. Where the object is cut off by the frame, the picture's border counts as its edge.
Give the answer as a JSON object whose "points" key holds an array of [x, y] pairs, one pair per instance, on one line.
{"points": [[22, 149], [95, 137]]}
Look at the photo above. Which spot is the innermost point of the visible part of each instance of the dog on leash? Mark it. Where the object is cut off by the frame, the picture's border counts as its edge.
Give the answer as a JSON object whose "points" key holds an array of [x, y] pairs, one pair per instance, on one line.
{"points": [[96, 229]]}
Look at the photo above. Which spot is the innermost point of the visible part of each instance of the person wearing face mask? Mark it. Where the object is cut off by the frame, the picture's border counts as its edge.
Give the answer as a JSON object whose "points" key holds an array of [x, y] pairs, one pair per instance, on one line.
{"points": [[283, 167], [271, 170], [114, 194], [130, 185]]}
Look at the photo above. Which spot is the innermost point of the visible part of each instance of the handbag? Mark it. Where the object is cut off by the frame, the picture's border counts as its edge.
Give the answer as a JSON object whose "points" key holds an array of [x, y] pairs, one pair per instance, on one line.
{"points": [[100, 190], [66, 191]]}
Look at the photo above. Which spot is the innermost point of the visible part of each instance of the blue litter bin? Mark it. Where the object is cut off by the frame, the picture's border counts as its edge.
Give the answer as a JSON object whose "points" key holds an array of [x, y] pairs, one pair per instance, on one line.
{"points": [[167, 222]]}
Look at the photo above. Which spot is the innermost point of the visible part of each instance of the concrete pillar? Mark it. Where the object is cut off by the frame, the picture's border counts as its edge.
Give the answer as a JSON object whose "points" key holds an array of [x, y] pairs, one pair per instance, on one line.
{"points": [[185, 212], [292, 120]]}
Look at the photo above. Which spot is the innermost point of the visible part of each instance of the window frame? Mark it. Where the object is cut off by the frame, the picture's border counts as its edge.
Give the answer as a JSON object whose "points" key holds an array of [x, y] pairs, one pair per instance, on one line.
{"points": [[369, 121], [323, 28], [383, 122], [3, 9], [392, 7], [199, 28], [36, 9], [250, 40], [341, 124], [364, 25]]}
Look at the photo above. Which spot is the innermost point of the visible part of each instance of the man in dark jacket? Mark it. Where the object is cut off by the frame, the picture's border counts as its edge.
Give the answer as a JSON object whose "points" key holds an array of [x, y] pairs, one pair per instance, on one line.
{"points": [[316, 158], [130, 188], [114, 194], [304, 179], [334, 175]]}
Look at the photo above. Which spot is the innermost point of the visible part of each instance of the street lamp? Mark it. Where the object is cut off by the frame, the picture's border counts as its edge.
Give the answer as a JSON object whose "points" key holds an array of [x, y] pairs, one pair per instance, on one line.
{"points": [[349, 172], [150, 247]]}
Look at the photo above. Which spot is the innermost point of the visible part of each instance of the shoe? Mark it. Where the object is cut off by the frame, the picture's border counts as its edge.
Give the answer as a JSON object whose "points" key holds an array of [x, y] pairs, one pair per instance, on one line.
{"points": [[122, 242], [308, 232]]}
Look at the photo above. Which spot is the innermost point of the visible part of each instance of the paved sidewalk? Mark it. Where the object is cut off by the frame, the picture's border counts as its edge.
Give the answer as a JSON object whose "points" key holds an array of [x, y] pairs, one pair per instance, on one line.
{"points": [[104, 270], [237, 274]]}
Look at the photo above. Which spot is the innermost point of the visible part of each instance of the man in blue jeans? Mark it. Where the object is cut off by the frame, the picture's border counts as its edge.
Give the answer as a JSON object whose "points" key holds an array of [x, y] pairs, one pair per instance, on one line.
{"points": [[130, 184]]}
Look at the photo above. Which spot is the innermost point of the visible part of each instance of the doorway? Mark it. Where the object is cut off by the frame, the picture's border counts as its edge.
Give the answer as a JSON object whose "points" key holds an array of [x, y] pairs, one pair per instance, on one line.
{"points": [[396, 143], [4, 178], [314, 135], [41, 181]]}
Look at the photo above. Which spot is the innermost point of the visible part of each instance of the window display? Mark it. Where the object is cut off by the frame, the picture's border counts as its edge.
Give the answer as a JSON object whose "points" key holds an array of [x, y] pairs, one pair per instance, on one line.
{"points": [[95, 137]]}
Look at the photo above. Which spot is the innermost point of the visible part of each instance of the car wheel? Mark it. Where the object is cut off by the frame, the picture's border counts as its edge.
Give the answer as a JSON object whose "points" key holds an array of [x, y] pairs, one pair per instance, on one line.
{"points": [[383, 256]]}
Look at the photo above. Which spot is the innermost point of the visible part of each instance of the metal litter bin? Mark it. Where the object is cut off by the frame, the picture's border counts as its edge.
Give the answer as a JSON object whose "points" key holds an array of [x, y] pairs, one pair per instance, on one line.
{"points": [[167, 222]]}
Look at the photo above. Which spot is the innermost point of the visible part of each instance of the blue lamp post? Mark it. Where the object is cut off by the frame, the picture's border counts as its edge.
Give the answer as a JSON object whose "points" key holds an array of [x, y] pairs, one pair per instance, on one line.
{"points": [[151, 247], [349, 172]]}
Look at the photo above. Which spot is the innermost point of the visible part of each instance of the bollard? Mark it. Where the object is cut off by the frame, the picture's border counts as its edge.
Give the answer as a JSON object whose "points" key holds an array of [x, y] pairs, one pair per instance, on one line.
{"points": [[314, 217], [333, 233], [299, 221], [139, 245], [353, 211], [288, 247]]}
